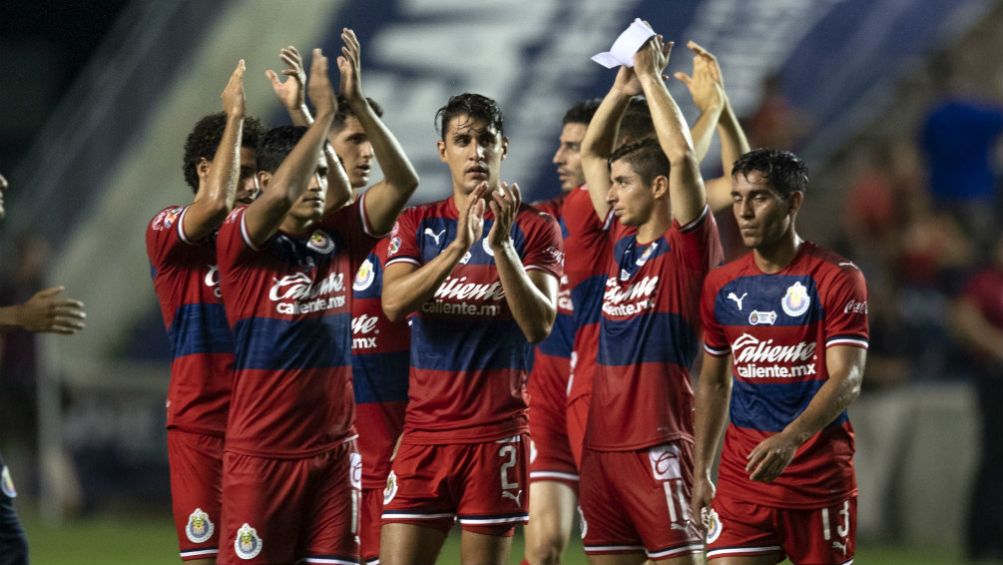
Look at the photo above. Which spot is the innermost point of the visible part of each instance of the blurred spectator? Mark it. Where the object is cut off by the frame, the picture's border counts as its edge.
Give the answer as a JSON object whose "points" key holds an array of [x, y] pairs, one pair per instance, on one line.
{"points": [[978, 321], [777, 123]]}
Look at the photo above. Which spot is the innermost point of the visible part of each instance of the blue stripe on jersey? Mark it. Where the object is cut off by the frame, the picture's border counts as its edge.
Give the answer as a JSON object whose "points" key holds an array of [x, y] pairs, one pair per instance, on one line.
{"points": [[468, 344], [587, 298], [659, 337], [771, 407], [764, 294], [434, 234], [560, 341], [280, 345], [381, 377], [200, 328], [631, 256]]}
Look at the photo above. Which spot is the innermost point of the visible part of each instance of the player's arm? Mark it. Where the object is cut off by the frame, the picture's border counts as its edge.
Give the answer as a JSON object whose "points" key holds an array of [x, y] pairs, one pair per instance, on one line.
{"points": [[686, 190], [46, 311], [845, 365], [264, 216], [600, 138], [971, 324], [215, 198], [531, 295], [406, 286], [711, 415], [291, 94], [385, 200]]}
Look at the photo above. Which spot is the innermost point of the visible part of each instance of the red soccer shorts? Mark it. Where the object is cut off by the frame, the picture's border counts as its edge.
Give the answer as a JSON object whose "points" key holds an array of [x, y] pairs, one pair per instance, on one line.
{"points": [[550, 457], [577, 418], [291, 510], [370, 521], [196, 465], [638, 501], [480, 485], [822, 536]]}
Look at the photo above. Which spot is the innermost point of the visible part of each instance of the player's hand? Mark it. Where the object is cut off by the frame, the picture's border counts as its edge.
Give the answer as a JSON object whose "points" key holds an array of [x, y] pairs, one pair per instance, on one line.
{"points": [[319, 87], [349, 63], [652, 58], [706, 86], [768, 460], [504, 204], [626, 82], [290, 91], [47, 312], [700, 501], [233, 94], [471, 225]]}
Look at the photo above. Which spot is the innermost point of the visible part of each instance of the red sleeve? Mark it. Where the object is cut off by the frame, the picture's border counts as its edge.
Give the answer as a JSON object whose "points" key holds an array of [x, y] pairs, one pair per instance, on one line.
{"points": [[164, 235], [845, 302], [403, 244], [698, 243], [582, 222], [715, 341], [352, 225], [552, 206], [544, 248], [232, 242]]}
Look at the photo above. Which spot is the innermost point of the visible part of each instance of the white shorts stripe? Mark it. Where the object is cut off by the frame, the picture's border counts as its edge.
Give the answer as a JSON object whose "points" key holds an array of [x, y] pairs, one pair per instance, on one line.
{"points": [[553, 475], [692, 548], [397, 515], [327, 560], [617, 548], [199, 552], [733, 550], [489, 521]]}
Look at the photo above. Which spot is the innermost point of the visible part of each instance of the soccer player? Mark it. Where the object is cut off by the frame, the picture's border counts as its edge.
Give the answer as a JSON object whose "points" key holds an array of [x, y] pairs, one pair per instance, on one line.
{"points": [[553, 471], [661, 241], [45, 311], [477, 303], [219, 166], [791, 318], [379, 347]]}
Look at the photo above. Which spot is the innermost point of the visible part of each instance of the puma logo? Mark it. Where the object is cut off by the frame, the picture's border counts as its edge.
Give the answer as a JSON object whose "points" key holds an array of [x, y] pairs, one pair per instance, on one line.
{"points": [[840, 546], [738, 299], [433, 235], [515, 497]]}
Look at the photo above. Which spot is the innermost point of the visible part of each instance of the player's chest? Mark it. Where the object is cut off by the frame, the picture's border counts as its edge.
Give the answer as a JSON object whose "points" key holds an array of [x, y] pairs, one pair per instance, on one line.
{"points": [[435, 234], [789, 303], [304, 276], [637, 275]]}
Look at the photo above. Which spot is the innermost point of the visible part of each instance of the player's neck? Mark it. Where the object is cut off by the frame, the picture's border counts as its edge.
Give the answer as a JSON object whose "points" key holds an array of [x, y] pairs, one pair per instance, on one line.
{"points": [[654, 228], [296, 226], [776, 256]]}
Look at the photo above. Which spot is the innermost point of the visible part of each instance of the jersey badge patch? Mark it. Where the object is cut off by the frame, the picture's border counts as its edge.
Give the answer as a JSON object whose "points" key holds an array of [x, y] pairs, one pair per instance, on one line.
{"points": [[390, 491], [713, 525], [321, 242], [365, 277], [796, 302], [395, 245], [247, 545], [757, 318], [7, 483], [200, 528]]}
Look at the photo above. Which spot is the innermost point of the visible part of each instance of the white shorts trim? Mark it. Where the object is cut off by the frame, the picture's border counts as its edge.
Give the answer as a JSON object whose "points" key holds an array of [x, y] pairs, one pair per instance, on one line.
{"points": [[492, 521], [199, 552], [616, 548], [692, 548], [415, 516], [733, 550], [553, 475], [327, 560]]}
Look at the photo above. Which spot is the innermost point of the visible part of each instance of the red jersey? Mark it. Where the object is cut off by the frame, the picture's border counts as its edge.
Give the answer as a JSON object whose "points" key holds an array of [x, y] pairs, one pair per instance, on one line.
{"points": [[648, 335], [469, 358], [186, 281], [379, 370], [587, 255], [289, 305], [985, 290], [776, 327]]}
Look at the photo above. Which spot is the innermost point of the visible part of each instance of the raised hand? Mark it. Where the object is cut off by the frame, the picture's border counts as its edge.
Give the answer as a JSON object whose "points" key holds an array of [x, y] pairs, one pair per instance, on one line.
{"points": [[47, 312], [626, 82], [319, 87], [504, 204], [349, 64], [233, 94], [290, 91], [706, 86], [652, 58], [471, 225]]}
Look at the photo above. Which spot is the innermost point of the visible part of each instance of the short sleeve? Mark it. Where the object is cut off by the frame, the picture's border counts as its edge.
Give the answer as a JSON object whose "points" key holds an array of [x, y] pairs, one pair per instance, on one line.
{"points": [[544, 249], [352, 226], [233, 243], [164, 236], [715, 340], [845, 300], [698, 243], [403, 244]]}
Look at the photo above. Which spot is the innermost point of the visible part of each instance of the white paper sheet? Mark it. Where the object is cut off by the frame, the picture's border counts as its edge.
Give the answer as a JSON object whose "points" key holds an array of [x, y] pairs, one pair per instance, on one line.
{"points": [[622, 52]]}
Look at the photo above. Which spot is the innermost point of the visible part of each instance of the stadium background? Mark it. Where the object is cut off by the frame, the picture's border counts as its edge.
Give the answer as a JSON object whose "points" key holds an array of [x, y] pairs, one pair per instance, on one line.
{"points": [[99, 96]]}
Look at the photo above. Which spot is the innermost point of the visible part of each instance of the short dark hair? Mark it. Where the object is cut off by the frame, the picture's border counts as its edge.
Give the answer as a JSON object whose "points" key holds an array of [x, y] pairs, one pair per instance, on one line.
{"points": [[646, 157], [344, 112], [276, 145], [203, 141], [475, 106], [637, 123], [784, 172], [581, 112]]}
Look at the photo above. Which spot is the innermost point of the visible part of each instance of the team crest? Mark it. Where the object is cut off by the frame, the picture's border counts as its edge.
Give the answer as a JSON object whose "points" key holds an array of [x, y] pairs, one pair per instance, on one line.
{"points": [[394, 246], [365, 277], [321, 242], [713, 525], [757, 318], [7, 483], [391, 489], [200, 527], [247, 544], [796, 302], [167, 218]]}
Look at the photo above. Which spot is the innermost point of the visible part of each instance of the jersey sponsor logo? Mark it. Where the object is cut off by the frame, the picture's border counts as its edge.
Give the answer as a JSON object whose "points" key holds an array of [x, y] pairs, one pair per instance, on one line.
{"points": [[365, 277], [7, 483], [630, 300], [556, 254], [355, 470], [200, 528], [321, 242], [433, 235], [247, 544], [796, 302], [363, 325], [390, 491], [211, 280], [756, 359], [713, 525], [306, 296], [166, 218], [855, 307], [664, 461], [457, 296], [757, 318], [738, 299]]}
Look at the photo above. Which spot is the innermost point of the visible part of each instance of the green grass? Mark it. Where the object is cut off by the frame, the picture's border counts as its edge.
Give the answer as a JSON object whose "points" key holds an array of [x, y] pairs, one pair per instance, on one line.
{"points": [[129, 540]]}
